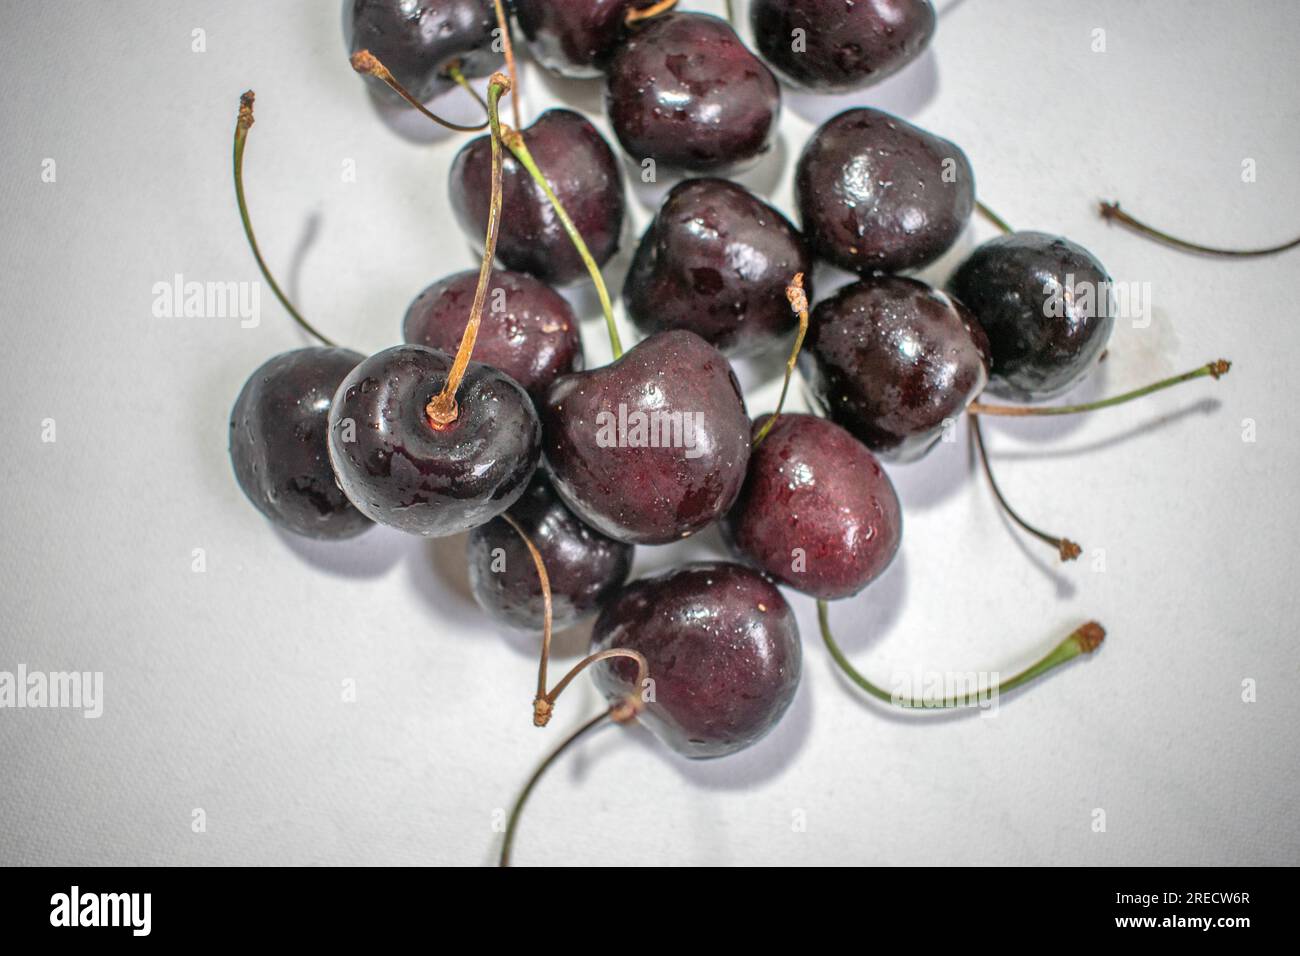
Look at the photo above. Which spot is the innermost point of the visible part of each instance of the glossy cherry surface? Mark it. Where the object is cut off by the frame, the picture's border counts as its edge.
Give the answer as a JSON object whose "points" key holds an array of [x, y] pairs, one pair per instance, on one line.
{"points": [[1045, 303], [419, 40], [895, 362], [834, 46], [584, 173], [717, 260], [528, 331], [684, 91], [585, 568], [723, 651], [653, 446], [278, 445], [817, 511], [401, 470], [876, 193], [575, 38]]}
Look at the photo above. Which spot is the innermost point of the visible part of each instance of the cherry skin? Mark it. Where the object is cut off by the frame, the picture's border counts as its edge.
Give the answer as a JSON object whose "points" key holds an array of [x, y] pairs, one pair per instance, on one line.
{"points": [[529, 330], [717, 260], [278, 444], [575, 38], [684, 91], [895, 362], [401, 470], [876, 193], [584, 173], [1045, 303], [723, 651], [847, 46], [585, 568], [653, 446], [420, 40], [817, 511]]}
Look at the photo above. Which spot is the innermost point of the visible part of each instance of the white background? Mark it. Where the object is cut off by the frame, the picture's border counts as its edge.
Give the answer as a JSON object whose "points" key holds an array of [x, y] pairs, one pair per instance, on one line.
{"points": [[223, 688]]}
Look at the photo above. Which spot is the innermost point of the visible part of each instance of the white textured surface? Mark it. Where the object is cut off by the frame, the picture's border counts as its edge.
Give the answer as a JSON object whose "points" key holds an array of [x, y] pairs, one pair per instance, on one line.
{"points": [[222, 689]]}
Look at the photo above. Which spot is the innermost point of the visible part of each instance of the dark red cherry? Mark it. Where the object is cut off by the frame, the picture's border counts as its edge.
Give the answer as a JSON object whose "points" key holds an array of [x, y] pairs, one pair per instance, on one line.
{"points": [[584, 173], [723, 652], [401, 470], [1045, 303], [895, 362], [529, 331], [876, 193], [684, 91], [575, 38], [585, 568], [717, 260], [817, 511], [278, 444], [418, 40], [834, 46], [653, 446]]}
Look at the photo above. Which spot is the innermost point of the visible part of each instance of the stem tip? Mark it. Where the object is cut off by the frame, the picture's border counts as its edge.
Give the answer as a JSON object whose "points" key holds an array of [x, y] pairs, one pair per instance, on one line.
{"points": [[1219, 368], [1089, 637], [542, 712], [246, 109], [1070, 550]]}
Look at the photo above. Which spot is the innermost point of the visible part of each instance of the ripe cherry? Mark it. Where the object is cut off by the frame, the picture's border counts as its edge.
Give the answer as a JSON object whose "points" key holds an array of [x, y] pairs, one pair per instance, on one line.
{"points": [[575, 38]]}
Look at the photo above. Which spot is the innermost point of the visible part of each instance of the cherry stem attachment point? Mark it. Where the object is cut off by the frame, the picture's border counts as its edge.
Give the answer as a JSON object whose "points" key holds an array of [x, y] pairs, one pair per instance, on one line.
{"points": [[507, 48], [1216, 369], [993, 217], [1111, 212], [514, 141], [455, 73], [367, 64], [1083, 640], [242, 125], [636, 15], [1067, 549], [442, 409], [798, 300]]}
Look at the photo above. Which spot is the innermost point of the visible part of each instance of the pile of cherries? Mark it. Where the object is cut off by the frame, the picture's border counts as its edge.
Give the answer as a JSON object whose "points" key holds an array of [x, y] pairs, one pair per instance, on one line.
{"points": [[512, 446]]}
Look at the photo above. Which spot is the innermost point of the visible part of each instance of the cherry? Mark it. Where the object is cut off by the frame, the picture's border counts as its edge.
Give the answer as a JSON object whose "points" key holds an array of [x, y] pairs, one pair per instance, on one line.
{"points": [[817, 511], [723, 651], [584, 567], [653, 446], [876, 193], [401, 469], [895, 362], [420, 41], [1045, 303], [531, 333], [716, 260], [684, 91], [278, 443], [575, 38], [584, 174], [830, 46]]}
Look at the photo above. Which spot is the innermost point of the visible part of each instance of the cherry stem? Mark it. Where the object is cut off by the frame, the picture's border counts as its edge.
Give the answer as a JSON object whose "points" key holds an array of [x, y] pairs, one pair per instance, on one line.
{"points": [[619, 713], [442, 410], [1216, 369], [993, 217], [1111, 212], [1067, 549], [798, 300], [1084, 640], [242, 125], [366, 63], [454, 72], [663, 6], [731, 13], [515, 143], [509, 50]]}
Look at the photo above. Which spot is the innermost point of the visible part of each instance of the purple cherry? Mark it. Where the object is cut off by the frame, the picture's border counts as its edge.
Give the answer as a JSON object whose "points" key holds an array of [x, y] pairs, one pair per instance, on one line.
{"points": [[575, 38]]}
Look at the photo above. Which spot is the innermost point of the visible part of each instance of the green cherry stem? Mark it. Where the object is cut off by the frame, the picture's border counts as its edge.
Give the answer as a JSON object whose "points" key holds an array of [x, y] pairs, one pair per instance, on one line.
{"points": [[1084, 640], [514, 141], [508, 49], [1111, 212], [1216, 369], [454, 72], [366, 63], [242, 125], [993, 217], [798, 300]]}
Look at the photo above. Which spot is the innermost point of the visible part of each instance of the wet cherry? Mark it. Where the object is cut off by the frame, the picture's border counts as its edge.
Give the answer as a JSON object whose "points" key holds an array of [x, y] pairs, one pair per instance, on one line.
{"points": [[278, 444], [575, 38], [723, 651], [876, 193], [817, 511], [717, 260]]}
